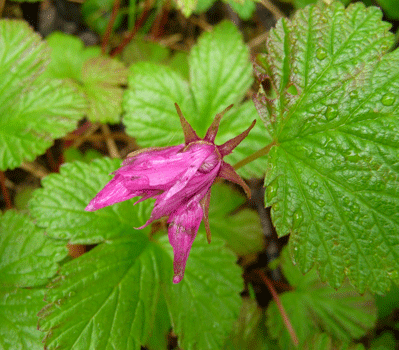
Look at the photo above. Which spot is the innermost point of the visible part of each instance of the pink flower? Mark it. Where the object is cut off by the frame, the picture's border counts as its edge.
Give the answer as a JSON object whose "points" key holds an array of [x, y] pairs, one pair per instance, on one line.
{"points": [[180, 178]]}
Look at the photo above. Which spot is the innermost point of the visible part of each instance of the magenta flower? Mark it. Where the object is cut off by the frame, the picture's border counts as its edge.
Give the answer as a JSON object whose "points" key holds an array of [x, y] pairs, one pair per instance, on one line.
{"points": [[180, 178]]}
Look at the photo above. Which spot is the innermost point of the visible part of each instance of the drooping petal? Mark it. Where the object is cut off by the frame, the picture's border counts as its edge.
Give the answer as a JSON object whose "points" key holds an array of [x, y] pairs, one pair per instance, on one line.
{"points": [[227, 172], [142, 155], [113, 192], [213, 129], [183, 228], [228, 146], [186, 186], [205, 208], [189, 134]]}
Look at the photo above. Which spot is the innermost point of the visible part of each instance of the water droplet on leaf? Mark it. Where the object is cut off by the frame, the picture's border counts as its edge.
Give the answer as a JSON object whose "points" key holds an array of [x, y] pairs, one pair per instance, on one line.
{"points": [[321, 203], [388, 99], [271, 191], [298, 218], [321, 53], [328, 216], [314, 185], [355, 208]]}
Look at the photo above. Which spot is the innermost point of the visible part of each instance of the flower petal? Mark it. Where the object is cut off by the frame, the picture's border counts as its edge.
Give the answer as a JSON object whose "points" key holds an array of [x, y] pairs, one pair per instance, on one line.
{"points": [[113, 192], [205, 208], [183, 228]]}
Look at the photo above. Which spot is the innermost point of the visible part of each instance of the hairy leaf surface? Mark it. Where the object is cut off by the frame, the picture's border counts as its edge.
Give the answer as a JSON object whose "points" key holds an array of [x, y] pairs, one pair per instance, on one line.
{"points": [[33, 110], [330, 102]]}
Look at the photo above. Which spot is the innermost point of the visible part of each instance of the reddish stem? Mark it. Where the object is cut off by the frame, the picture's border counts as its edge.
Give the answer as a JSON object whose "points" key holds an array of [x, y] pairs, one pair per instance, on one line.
{"points": [[110, 26], [4, 190], [134, 31], [158, 27], [280, 307], [51, 161]]}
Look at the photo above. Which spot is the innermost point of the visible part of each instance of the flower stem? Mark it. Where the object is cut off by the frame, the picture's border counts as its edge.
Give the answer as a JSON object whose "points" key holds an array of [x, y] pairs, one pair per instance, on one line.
{"points": [[110, 26], [135, 29], [260, 153], [280, 307], [4, 190]]}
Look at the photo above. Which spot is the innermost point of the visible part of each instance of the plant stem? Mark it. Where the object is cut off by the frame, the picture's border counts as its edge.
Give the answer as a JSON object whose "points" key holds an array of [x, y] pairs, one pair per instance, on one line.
{"points": [[112, 149], [260, 153], [280, 307], [4, 190], [110, 26], [134, 31]]}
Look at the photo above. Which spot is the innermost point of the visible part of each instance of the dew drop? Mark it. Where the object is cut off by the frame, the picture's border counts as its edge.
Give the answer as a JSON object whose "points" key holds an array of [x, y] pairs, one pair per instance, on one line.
{"points": [[388, 99], [298, 218], [271, 191], [355, 208], [321, 203], [71, 294], [314, 185], [328, 216], [331, 113], [321, 53], [353, 95], [346, 200]]}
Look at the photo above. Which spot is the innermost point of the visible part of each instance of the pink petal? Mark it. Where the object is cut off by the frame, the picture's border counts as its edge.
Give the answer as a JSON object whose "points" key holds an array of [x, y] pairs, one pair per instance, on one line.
{"points": [[183, 228], [113, 192]]}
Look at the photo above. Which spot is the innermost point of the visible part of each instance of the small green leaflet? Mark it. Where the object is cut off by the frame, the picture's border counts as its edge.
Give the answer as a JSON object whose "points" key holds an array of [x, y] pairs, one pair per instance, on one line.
{"points": [[28, 259], [330, 102], [99, 78], [220, 74], [59, 206], [122, 278], [33, 110], [313, 307]]}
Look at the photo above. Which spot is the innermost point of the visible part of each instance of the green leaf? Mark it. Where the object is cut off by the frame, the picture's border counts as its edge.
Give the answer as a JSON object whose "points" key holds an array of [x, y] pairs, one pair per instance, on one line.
{"points": [[59, 205], [102, 79], [158, 336], [28, 257], [390, 8], [386, 341], [97, 14], [98, 77], [18, 320], [105, 299], [322, 341], [220, 74], [249, 332], [245, 10], [33, 111], [140, 50], [115, 287], [332, 110], [242, 231], [205, 304], [315, 307], [387, 303], [186, 6], [68, 56]]}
